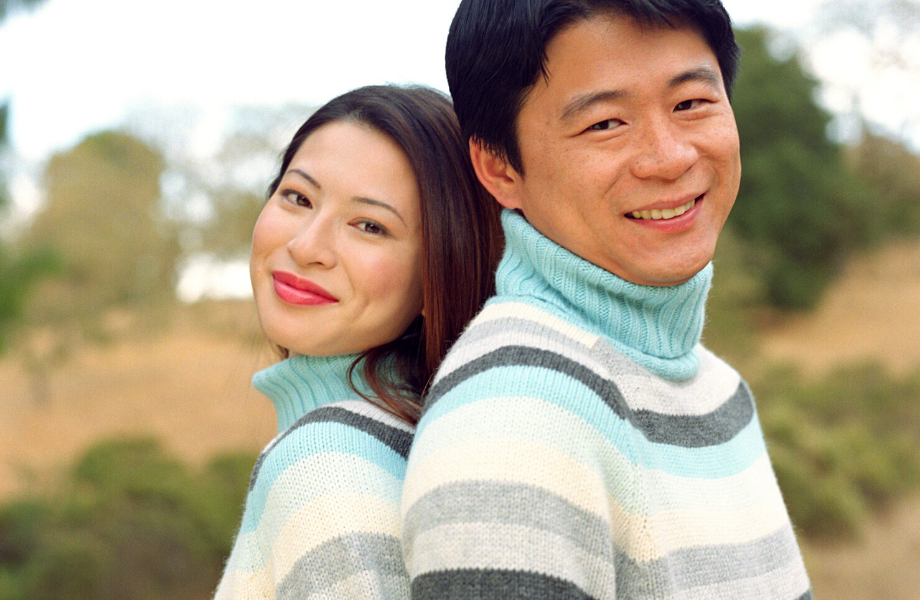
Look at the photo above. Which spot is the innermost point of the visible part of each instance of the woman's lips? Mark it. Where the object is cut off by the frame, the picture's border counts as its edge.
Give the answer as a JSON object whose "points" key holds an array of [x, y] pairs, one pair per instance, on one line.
{"points": [[302, 292]]}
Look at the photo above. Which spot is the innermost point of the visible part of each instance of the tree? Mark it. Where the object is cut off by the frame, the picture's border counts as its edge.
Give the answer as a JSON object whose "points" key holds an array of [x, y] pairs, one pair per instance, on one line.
{"points": [[19, 272], [218, 197], [103, 214], [245, 164], [799, 208], [18, 275], [7, 7], [893, 171]]}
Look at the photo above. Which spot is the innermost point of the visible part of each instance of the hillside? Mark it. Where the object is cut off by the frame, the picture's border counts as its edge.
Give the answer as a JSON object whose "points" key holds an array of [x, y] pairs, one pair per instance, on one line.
{"points": [[871, 313], [189, 385]]}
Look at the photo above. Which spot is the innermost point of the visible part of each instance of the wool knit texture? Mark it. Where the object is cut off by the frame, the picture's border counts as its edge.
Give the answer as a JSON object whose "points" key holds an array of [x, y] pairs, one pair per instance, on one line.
{"points": [[322, 513], [579, 442]]}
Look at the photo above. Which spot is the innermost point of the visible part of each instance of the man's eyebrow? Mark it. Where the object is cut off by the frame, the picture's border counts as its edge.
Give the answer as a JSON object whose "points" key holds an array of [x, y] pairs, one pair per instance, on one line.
{"points": [[373, 202], [701, 74], [581, 103]]}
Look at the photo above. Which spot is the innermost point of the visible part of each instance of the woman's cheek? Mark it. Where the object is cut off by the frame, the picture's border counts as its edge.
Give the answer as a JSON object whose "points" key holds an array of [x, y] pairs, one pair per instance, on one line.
{"points": [[396, 277]]}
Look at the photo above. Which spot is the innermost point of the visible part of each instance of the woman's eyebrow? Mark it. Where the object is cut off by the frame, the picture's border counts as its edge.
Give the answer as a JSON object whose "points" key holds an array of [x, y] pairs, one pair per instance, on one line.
{"points": [[306, 176], [373, 202], [361, 199]]}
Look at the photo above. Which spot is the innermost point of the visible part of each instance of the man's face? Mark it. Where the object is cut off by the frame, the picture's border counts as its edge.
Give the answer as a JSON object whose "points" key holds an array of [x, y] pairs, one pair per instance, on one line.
{"points": [[630, 150]]}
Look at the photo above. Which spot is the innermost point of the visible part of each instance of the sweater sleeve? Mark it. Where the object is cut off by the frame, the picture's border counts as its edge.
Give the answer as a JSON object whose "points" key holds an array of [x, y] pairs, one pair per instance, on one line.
{"points": [[505, 493], [322, 513]]}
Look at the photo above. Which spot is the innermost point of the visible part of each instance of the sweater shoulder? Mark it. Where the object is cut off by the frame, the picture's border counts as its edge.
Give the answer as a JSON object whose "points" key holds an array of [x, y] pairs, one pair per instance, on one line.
{"points": [[349, 428], [519, 332], [517, 350], [322, 512], [533, 327], [527, 325]]}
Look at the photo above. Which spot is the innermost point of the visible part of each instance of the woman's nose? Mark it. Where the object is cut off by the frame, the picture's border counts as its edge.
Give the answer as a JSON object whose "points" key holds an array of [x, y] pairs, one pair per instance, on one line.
{"points": [[314, 244]]}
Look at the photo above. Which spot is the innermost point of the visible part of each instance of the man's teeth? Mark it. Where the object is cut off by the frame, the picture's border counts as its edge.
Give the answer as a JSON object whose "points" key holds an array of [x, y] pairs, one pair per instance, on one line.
{"points": [[667, 213]]}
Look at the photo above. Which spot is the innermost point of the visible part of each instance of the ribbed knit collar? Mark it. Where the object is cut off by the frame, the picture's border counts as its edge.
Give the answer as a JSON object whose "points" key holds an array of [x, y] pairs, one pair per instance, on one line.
{"points": [[298, 385], [658, 327]]}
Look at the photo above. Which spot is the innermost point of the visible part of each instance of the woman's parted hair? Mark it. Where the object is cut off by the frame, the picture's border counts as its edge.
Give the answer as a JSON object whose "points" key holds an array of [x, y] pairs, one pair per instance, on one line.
{"points": [[462, 238]]}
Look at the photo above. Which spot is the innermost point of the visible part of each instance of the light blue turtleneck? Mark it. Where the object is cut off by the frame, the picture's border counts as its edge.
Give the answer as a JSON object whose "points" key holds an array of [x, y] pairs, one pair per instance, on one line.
{"points": [[322, 514], [658, 327]]}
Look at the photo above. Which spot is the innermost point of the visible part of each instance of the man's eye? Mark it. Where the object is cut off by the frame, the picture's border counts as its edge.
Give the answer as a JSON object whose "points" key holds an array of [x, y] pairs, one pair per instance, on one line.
{"points": [[605, 125], [688, 104]]}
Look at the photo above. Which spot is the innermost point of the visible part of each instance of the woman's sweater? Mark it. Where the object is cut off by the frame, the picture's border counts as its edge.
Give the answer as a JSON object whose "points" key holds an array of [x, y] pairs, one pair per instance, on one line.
{"points": [[579, 442], [322, 513]]}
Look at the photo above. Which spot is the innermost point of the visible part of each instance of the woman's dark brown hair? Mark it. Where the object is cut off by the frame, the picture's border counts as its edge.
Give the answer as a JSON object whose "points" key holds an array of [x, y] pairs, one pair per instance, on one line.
{"points": [[462, 238]]}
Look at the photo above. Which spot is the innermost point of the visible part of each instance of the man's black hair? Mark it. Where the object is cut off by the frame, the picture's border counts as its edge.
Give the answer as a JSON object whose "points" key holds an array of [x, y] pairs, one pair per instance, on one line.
{"points": [[496, 50]]}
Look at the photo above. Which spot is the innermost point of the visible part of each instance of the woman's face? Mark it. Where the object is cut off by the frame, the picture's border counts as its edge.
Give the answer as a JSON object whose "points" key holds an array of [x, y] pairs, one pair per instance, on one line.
{"points": [[336, 262]]}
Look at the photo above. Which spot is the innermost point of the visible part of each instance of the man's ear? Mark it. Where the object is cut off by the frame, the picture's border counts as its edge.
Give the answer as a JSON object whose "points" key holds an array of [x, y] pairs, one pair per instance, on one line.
{"points": [[498, 177]]}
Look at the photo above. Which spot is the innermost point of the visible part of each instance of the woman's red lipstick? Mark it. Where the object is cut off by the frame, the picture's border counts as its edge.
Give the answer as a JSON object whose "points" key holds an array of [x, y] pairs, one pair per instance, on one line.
{"points": [[302, 292]]}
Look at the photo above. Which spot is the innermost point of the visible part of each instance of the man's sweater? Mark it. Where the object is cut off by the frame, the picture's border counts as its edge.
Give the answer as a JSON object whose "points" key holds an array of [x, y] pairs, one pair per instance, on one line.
{"points": [[579, 442], [322, 514]]}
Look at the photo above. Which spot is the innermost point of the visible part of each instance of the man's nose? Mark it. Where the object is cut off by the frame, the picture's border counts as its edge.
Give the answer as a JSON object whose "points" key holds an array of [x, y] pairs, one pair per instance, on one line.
{"points": [[665, 151]]}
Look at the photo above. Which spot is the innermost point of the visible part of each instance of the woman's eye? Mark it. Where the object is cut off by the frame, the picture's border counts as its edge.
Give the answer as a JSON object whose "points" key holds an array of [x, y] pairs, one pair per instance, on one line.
{"points": [[296, 198], [605, 125], [371, 227]]}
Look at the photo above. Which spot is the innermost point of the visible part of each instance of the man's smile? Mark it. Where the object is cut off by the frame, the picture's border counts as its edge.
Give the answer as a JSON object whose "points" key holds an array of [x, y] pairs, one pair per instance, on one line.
{"points": [[666, 213]]}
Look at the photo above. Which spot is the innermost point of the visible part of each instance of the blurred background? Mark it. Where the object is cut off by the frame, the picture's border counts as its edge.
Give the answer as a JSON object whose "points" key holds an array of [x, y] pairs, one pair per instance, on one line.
{"points": [[136, 143]]}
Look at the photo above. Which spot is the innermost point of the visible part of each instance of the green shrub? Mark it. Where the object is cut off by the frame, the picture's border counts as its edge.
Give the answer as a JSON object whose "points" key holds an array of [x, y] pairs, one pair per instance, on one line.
{"points": [[128, 523], [842, 446]]}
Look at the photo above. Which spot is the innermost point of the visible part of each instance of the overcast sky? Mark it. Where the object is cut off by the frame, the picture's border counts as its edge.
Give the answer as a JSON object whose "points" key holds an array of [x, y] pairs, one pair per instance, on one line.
{"points": [[72, 67], [76, 66]]}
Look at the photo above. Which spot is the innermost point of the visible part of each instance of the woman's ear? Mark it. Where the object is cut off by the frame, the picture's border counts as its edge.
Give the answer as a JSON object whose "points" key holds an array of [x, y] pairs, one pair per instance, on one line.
{"points": [[498, 177]]}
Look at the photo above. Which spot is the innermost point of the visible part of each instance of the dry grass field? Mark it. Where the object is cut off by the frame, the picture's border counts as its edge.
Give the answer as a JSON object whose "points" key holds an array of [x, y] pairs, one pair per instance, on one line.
{"points": [[872, 312], [188, 385]]}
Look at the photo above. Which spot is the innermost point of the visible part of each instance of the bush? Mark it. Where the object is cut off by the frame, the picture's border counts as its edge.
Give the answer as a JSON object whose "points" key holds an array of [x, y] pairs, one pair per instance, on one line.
{"points": [[129, 522], [841, 446]]}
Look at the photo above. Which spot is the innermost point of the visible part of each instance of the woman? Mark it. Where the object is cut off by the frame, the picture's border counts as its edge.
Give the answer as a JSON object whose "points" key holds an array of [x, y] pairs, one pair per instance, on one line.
{"points": [[374, 249]]}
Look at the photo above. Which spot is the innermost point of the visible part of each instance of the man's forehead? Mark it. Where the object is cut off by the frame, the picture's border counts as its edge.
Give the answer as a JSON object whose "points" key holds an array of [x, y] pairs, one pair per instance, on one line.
{"points": [[594, 52]]}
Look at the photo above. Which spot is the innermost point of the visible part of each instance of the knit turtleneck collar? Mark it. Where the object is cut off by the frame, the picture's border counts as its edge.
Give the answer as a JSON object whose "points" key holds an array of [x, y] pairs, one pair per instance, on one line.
{"points": [[298, 385], [658, 327]]}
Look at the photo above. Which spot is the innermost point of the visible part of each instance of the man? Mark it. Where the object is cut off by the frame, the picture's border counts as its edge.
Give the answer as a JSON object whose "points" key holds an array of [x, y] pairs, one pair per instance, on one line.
{"points": [[578, 441]]}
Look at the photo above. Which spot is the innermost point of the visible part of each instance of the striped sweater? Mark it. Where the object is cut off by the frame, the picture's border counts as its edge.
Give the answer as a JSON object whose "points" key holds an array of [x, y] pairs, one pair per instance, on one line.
{"points": [[322, 514], [579, 442]]}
